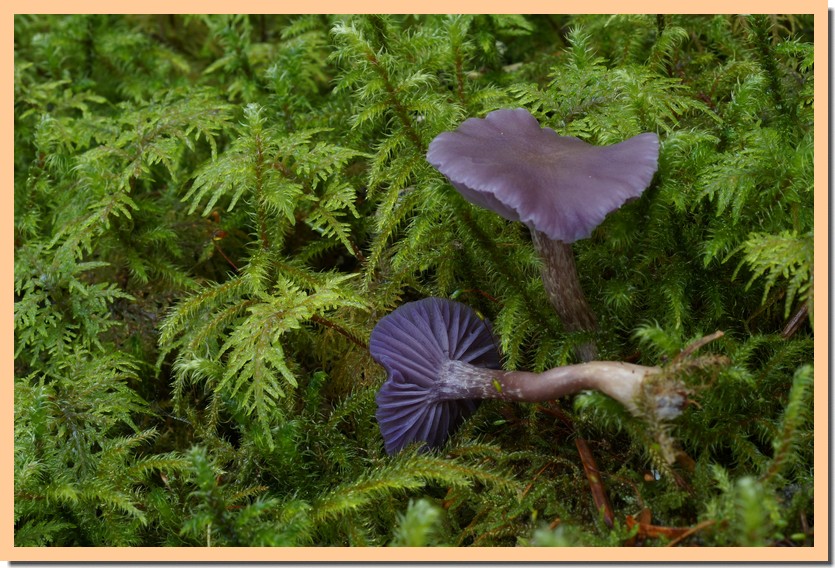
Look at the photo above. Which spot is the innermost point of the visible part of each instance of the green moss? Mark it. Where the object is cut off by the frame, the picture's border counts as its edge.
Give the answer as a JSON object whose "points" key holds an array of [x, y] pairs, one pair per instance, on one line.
{"points": [[212, 213]]}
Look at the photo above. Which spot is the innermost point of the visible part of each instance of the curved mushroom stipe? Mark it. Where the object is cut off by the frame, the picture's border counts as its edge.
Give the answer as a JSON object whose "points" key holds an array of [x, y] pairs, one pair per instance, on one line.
{"points": [[558, 185], [413, 343], [441, 358]]}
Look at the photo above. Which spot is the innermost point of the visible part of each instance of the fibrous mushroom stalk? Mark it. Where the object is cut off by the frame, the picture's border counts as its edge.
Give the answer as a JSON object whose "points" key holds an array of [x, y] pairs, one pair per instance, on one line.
{"points": [[441, 359], [621, 381], [562, 285]]}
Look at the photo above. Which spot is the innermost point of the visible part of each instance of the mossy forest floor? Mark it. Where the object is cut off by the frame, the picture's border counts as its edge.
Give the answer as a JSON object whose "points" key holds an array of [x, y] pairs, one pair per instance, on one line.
{"points": [[213, 212]]}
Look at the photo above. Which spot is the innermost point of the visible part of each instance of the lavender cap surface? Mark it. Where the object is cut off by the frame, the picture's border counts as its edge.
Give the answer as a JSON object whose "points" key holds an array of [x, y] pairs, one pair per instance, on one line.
{"points": [[558, 185], [412, 343]]}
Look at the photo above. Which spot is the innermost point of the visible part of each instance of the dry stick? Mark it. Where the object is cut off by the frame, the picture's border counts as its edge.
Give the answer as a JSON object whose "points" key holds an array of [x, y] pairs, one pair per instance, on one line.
{"points": [[804, 525], [223, 254], [691, 531], [589, 467], [338, 329], [795, 322], [699, 343], [357, 252], [648, 530], [535, 477], [644, 519], [556, 413], [598, 492]]}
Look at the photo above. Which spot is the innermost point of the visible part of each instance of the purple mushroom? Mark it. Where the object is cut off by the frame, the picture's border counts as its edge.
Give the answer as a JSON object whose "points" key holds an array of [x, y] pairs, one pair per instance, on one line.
{"points": [[413, 343], [441, 358], [559, 186]]}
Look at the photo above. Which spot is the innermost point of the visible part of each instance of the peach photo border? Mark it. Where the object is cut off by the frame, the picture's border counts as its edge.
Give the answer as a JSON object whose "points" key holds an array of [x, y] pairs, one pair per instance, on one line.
{"points": [[820, 552]]}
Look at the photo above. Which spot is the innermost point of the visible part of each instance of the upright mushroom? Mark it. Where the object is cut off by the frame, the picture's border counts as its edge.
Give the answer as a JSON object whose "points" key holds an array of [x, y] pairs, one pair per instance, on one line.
{"points": [[559, 186], [441, 358]]}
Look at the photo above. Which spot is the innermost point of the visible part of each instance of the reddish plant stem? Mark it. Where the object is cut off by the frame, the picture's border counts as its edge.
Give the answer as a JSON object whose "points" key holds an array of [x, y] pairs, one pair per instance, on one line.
{"points": [[396, 104], [698, 344], [459, 76], [338, 329], [691, 531], [259, 188], [598, 492], [223, 254], [796, 321]]}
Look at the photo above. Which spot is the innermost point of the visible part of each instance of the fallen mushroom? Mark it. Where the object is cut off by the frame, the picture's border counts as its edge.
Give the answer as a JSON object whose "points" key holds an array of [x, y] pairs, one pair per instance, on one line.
{"points": [[559, 186], [441, 358], [413, 343]]}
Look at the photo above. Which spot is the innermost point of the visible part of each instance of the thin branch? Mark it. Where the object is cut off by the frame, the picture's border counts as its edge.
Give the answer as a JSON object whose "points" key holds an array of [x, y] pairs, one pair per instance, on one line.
{"points": [[598, 492], [796, 321], [340, 330], [699, 343], [223, 254], [691, 531]]}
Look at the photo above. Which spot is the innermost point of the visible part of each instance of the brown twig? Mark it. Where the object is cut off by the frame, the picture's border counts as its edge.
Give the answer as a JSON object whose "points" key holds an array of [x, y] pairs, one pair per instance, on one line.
{"points": [[557, 413], [691, 531], [357, 252], [644, 519], [699, 343], [223, 254], [796, 321], [647, 530], [598, 492], [533, 481], [457, 293], [338, 329]]}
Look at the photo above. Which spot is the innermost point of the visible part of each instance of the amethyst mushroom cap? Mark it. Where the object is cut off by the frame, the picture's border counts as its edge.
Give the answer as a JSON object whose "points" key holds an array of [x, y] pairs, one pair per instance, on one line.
{"points": [[413, 343], [557, 185]]}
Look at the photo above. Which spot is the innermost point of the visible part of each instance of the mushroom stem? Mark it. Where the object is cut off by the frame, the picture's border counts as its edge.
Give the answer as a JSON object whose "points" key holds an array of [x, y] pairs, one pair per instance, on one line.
{"points": [[621, 381], [441, 358], [562, 285]]}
